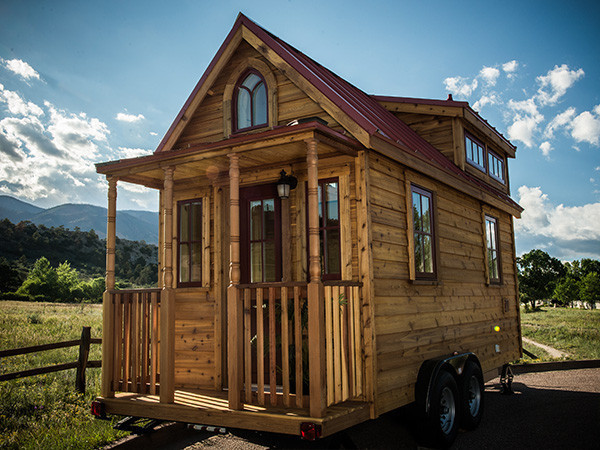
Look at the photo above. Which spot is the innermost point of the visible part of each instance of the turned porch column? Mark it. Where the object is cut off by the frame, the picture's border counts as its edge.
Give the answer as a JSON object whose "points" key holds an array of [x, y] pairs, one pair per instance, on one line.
{"points": [[234, 311], [107, 306], [316, 319], [167, 298]]}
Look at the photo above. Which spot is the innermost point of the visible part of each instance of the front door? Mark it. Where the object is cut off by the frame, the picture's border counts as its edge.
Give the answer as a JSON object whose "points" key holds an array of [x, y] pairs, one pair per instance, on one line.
{"points": [[260, 234]]}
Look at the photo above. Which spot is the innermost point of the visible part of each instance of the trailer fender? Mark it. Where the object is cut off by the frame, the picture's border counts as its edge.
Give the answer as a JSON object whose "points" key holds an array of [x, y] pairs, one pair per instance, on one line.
{"points": [[430, 370]]}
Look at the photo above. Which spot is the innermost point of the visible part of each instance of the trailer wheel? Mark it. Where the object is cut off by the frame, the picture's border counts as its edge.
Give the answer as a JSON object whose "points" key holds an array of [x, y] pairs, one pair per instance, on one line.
{"points": [[443, 417], [471, 396]]}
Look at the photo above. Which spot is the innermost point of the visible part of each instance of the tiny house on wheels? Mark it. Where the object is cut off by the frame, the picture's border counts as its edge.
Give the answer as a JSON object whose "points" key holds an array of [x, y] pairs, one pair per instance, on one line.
{"points": [[326, 255]]}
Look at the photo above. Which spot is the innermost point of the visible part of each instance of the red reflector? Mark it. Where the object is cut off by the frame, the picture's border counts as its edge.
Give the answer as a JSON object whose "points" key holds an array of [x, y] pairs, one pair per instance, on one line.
{"points": [[98, 409], [310, 431]]}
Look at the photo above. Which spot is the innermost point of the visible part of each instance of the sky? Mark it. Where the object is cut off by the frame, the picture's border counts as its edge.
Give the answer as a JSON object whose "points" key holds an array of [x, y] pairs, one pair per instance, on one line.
{"points": [[83, 82]]}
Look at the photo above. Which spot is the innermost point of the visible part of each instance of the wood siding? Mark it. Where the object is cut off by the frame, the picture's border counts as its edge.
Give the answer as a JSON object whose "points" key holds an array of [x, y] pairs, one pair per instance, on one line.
{"points": [[206, 124], [437, 130], [413, 321]]}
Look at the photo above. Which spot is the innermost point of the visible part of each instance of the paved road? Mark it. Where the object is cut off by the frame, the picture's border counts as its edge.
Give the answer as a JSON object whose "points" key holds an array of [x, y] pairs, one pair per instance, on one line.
{"points": [[551, 410]]}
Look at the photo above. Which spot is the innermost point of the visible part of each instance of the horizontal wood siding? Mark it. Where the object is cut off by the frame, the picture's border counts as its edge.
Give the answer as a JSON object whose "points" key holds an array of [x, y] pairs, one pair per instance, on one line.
{"points": [[437, 130], [415, 322], [194, 339], [206, 124]]}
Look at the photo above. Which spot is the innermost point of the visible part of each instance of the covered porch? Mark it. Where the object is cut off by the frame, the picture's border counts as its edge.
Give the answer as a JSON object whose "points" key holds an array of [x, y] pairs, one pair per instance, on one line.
{"points": [[296, 347]]}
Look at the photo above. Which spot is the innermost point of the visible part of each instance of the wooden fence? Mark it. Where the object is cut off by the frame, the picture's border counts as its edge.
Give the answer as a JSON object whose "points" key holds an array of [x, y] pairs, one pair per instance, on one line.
{"points": [[81, 364]]}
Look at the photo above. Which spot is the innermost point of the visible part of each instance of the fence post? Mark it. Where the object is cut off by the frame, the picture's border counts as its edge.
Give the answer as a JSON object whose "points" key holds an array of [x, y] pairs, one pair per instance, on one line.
{"points": [[84, 351]]}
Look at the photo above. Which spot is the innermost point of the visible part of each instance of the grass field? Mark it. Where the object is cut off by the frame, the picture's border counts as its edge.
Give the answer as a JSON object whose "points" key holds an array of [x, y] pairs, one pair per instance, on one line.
{"points": [[574, 331], [45, 411]]}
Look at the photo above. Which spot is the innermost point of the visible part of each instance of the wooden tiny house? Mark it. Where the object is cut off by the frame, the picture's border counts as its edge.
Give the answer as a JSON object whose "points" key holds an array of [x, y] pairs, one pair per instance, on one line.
{"points": [[395, 247]]}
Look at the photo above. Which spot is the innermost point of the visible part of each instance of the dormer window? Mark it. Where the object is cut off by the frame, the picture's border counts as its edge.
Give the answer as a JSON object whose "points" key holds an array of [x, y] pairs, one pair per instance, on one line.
{"points": [[250, 106], [477, 153]]}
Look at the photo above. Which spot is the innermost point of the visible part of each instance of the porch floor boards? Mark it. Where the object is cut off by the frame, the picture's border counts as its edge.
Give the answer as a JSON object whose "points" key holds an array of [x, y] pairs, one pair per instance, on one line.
{"points": [[212, 408]]}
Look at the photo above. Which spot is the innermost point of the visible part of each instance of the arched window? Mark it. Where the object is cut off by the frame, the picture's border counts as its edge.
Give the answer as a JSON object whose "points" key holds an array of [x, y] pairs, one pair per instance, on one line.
{"points": [[250, 106]]}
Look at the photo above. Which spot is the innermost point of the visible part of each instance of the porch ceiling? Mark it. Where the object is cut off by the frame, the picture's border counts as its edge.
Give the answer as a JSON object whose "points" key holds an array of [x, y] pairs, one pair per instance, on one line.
{"points": [[210, 160]]}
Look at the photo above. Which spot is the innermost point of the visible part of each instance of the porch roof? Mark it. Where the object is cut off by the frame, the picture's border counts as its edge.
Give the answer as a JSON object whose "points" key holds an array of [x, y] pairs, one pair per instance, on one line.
{"points": [[211, 159]]}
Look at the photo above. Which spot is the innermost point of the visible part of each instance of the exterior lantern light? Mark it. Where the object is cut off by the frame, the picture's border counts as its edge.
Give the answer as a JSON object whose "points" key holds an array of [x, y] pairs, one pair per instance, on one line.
{"points": [[285, 184]]}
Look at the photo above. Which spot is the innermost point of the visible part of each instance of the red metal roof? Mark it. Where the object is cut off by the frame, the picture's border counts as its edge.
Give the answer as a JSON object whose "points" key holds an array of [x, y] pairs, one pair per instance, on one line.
{"points": [[359, 106]]}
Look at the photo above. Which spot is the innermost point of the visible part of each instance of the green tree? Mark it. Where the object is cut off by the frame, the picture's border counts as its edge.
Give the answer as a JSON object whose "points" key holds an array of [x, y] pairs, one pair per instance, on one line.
{"points": [[538, 275], [41, 280], [566, 291], [589, 289]]}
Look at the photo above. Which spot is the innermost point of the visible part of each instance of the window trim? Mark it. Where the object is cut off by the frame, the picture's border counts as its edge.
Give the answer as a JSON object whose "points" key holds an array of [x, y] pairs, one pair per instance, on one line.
{"points": [[234, 103], [201, 241], [414, 274], [488, 272]]}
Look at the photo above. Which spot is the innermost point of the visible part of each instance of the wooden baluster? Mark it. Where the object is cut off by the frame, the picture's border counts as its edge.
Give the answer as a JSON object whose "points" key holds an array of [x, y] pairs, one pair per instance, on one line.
{"points": [[298, 345], [247, 344], [358, 339], [337, 358], [344, 342], [135, 341], [145, 338], [329, 343], [272, 349], [260, 347], [126, 341], [154, 344], [351, 346], [285, 349]]}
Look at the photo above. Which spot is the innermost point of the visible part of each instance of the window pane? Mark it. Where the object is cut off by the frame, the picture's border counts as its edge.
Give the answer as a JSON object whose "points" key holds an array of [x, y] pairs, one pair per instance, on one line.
{"points": [[320, 197], [333, 251], [331, 200], [259, 105], [184, 234], [256, 275], [196, 262], [417, 223], [419, 253], [256, 220], [425, 214], [427, 254], [184, 263], [243, 109], [251, 81], [269, 259], [196, 212], [269, 218]]}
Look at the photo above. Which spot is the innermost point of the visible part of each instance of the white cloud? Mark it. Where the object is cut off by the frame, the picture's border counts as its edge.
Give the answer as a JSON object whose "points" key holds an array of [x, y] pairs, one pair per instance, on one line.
{"points": [[152, 133], [526, 119], [21, 68], [491, 99], [132, 152], [546, 148], [564, 223], [555, 83], [586, 128], [16, 105], [561, 120], [510, 68], [124, 117], [490, 75], [460, 86]]}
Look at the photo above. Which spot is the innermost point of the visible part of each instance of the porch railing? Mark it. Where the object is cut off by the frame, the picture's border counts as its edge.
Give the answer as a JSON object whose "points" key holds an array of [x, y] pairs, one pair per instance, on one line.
{"points": [[136, 340], [275, 343]]}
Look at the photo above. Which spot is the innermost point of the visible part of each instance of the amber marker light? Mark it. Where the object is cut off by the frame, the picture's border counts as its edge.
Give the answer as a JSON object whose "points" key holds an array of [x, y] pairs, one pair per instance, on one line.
{"points": [[496, 328]]}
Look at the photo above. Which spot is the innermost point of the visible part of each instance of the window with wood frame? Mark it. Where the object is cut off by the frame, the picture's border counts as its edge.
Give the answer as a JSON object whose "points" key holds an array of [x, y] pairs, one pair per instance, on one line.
{"points": [[329, 229], [475, 152], [423, 233], [496, 166], [189, 237], [493, 261], [250, 102]]}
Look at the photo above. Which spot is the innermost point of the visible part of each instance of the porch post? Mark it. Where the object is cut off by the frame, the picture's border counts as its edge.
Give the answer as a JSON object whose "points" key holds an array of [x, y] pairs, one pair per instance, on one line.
{"points": [[316, 320], [234, 312], [167, 299], [108, 324]]}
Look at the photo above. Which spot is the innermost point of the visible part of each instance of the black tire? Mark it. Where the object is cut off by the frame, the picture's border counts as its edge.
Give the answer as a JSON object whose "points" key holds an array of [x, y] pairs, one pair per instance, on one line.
{"points": [[442, 420], [471, 396]]}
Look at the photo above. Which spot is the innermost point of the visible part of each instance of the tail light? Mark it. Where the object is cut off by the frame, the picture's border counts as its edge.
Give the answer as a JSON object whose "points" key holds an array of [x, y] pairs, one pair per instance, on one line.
{"points": [[98, 409], [310, 431]]}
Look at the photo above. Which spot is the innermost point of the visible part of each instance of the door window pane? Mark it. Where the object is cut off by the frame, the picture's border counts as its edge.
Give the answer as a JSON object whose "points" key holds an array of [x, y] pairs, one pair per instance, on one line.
{"points": [[190, 241]]}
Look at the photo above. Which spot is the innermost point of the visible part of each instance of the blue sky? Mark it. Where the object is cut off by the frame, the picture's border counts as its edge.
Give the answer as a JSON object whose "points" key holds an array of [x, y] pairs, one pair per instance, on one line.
{"points": [[90, 81]]}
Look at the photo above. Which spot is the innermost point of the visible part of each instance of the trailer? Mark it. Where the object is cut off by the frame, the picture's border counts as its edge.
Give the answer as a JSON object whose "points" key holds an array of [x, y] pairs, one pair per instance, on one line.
{"points": [[325, 255]]}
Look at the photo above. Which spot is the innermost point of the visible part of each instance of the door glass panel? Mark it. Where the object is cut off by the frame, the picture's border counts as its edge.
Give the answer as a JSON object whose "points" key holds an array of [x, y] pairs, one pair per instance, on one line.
{"points": [[196, 265], [269, 261], [184, 263], [256, 220], [256, 257], [196, 212], [269, 218], [184, 222], [333, 250], [331, 199]]}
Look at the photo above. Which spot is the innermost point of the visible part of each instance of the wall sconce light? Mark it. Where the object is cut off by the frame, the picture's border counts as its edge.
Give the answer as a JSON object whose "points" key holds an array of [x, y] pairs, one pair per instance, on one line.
{"points": [[285, 184]]}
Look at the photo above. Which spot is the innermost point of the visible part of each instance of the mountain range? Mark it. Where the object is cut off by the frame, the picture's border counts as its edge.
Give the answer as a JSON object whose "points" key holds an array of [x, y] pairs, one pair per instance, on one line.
{"points": [[131, 224]]}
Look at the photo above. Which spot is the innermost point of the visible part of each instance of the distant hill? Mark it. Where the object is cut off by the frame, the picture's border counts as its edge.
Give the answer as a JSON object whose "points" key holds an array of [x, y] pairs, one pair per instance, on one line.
{"points": [[131, 224]]}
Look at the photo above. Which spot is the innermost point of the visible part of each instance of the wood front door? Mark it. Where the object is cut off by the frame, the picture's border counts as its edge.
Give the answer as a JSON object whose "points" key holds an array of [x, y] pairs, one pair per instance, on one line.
{"points": [[260, 234]]}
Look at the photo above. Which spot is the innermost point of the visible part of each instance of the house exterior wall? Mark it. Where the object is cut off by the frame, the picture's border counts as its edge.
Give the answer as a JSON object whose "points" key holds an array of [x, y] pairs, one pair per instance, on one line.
{"points": [[418, 320]]}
